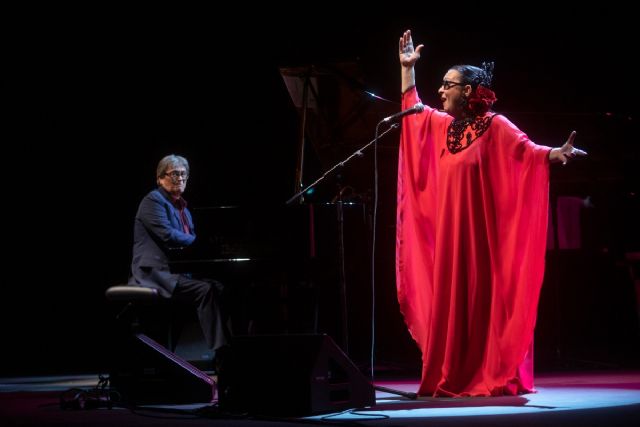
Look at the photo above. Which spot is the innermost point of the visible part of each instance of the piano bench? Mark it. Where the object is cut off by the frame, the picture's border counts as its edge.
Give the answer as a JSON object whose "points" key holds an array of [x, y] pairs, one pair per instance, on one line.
{"points": [[134, 297]]}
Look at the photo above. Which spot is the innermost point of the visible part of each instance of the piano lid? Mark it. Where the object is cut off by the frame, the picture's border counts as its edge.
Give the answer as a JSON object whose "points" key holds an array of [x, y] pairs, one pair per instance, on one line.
{"points": [[342, 113], [340, 117]]}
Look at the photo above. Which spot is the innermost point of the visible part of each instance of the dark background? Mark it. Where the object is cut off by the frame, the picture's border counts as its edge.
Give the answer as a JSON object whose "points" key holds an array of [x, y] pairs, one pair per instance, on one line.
{"points": [[94, 98]]}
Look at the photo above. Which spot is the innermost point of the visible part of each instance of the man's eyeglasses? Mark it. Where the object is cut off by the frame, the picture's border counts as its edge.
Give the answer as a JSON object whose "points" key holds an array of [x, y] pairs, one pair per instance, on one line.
{"points": [[447, 84], [177, 174]]}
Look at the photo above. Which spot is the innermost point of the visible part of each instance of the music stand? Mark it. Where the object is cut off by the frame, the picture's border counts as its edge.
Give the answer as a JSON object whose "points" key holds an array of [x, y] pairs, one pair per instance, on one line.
{"points": [[337, 115]]}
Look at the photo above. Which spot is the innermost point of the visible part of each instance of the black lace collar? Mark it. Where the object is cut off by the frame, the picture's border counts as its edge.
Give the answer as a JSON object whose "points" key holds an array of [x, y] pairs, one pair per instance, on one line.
{"points": [[467, 129]]}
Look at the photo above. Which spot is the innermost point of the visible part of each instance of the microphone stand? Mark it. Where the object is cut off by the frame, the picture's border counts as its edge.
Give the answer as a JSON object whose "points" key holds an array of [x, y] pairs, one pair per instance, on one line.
{"points": [[340, 219], [357, 153], [408, 394]]}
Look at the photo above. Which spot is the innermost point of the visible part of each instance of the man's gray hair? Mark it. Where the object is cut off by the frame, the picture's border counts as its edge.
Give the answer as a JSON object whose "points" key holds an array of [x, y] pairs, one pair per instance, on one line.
{"points": [[171, 161]]}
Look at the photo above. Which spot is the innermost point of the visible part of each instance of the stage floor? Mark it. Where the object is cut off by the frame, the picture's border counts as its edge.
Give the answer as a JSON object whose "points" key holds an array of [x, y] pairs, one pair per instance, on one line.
{"points": [[607, 398]]}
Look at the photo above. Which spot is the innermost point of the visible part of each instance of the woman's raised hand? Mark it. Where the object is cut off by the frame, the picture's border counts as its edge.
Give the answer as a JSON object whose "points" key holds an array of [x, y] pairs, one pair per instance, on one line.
{"points": [[408, 55]]}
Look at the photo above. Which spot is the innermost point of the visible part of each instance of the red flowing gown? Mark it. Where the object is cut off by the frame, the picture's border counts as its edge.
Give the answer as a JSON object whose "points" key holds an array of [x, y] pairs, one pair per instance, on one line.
{"points": [[470, 246]]}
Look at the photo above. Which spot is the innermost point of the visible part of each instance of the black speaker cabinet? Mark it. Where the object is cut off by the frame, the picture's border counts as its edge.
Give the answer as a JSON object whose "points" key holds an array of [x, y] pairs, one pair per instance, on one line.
{"points": [[144, 372], [290, 375]]}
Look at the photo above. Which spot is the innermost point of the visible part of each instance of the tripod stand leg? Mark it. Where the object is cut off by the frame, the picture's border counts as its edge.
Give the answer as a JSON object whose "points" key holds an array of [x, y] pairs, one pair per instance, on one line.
{"points": [[407, 394]]}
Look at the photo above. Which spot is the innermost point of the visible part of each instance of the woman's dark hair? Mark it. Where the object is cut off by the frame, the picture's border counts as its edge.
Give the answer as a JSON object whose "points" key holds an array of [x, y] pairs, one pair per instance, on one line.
{"points": [[474, 76], [482, 97]]}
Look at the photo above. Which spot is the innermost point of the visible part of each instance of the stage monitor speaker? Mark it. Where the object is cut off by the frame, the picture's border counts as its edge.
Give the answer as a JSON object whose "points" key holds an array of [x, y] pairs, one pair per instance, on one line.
{"points": [[290, 375], [147, 373]]}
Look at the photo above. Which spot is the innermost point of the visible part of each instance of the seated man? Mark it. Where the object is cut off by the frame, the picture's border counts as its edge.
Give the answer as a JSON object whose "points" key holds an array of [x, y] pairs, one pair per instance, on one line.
{"points": [[163, 222]]}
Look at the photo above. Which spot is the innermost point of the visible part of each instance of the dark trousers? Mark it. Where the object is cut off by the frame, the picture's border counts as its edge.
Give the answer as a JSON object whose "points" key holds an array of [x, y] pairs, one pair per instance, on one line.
{"points": [[206, 296]]}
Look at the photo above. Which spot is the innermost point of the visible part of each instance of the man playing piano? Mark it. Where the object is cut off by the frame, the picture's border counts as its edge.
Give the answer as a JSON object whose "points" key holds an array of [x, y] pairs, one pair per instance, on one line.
{"points": [[163, 223]]}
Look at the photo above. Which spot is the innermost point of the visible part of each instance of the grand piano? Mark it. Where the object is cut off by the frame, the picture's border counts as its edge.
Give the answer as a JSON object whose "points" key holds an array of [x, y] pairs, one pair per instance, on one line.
{"points": [[284, 269], [306, 266]]}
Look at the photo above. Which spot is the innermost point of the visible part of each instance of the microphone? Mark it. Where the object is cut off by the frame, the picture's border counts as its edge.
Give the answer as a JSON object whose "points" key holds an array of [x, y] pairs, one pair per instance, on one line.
{"points": [[418, 108]]}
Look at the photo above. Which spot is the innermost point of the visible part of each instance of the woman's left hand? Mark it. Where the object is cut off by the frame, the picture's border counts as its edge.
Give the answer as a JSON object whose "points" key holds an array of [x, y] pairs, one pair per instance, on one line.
{"points": [[566, 152]]}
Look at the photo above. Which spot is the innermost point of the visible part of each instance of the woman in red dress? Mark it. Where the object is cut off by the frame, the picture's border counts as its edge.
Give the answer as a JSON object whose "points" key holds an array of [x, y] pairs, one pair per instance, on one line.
{"points": [[472, 212]]}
